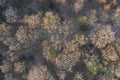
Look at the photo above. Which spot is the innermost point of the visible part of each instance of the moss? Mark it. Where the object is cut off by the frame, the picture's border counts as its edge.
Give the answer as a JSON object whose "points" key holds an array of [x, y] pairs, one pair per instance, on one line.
{"points": [[50, 18], [110, 69], [53, 53], [23, 64], [81, 39], [33, 21], [3, 28], [51, 21], [94, 70], [84, 22], [9, 64], [6, 30], [42, 32]]}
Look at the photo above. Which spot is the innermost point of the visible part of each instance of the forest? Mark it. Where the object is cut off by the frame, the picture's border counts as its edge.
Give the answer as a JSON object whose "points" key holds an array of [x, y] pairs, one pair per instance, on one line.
{"points": [[59, 39]]}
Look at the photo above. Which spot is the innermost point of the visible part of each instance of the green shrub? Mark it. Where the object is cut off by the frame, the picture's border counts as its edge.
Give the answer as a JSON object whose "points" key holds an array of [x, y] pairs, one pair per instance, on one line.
{"points": [[51, 21]]}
